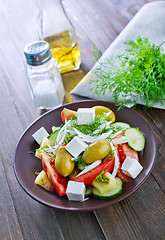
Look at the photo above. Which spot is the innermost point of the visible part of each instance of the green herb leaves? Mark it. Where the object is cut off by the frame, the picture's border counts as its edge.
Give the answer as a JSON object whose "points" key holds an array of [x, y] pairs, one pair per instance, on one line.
{"points": [[91, 128], [102, 178], [137, 73]]}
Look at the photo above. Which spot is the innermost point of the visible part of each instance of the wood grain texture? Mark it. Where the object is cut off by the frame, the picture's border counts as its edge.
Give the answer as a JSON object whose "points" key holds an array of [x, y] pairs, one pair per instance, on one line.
{"points": [[140, 216], [79, 225], [158, 171]]}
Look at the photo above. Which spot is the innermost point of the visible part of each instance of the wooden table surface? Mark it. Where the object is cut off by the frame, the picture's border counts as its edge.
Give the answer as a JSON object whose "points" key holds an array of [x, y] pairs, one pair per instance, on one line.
{"points": [[140, 216]]}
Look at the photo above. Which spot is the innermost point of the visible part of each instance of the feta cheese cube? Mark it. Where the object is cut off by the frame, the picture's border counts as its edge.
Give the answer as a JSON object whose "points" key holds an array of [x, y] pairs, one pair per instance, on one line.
{"points": [[131, 167], [75, 191], [85, 115], [40, 134], [76, 146]]}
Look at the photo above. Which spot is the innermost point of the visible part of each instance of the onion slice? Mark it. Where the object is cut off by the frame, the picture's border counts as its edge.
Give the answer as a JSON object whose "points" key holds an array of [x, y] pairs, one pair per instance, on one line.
{"points": [[116, 166], [62, 134], [119, 140], [90, 139], [115, 134], [90, 167]]}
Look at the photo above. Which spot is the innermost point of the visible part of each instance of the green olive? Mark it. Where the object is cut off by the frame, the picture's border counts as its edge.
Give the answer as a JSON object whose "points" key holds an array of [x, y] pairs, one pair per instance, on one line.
{"points": [[102, 109], [96, 151], [63, 163]]}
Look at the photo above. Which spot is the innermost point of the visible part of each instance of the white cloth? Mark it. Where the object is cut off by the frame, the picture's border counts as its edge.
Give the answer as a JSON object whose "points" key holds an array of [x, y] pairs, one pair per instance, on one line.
{"points": [[148, 22]]}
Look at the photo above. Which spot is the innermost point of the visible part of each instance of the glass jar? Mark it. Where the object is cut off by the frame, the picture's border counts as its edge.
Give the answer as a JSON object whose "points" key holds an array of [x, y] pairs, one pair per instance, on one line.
{"points": [[43, 75], [56, 28]]}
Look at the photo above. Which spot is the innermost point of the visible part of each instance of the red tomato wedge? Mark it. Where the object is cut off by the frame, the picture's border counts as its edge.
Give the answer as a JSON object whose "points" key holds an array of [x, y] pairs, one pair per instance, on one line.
{"points": [[123, 151], [58, 182], [87, 178], [67, 113]]}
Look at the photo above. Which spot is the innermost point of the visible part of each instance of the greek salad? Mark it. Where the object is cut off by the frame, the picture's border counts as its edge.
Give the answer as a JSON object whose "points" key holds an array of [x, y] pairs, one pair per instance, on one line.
{"points": [[90, 154]]}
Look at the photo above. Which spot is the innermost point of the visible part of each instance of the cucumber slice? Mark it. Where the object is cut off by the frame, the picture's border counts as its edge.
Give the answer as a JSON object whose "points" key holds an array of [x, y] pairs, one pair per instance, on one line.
{"points": [[52, 137], [121, 125], [88, 191], [135, 138], [111, 194]]}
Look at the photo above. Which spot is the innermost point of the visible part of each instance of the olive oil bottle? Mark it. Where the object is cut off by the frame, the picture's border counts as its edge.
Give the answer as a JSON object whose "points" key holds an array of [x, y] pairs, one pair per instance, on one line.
{"points": [[65, 50], [56, 29]]}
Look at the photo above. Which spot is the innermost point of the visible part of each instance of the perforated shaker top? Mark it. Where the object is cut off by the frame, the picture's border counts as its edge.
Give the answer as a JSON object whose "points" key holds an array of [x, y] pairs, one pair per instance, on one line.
{"points": [[37, 53]]}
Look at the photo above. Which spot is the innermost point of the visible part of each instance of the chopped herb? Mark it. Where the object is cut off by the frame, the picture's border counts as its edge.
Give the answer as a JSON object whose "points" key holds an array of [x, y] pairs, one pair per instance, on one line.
{"points": [[118, 171], [110, 155], [75, 173], [42, 149], [76, 160], [102, 178], [31, 152], [69, 137], [117, 129], [138, 72], [80, 163], [37, 173], [90, 128], [72, 118]]}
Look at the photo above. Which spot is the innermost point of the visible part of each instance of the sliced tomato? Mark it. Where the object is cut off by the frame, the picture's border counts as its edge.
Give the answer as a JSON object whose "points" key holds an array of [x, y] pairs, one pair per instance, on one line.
{"points": [[62, 145], [59, 182], [119, 135], [66, 114], [87, 178], [129, 152], [123, 151]]}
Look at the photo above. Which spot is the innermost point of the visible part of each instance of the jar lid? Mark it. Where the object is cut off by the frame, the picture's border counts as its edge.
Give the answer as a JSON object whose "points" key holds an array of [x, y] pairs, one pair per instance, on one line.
{"points": [[37, 53]]}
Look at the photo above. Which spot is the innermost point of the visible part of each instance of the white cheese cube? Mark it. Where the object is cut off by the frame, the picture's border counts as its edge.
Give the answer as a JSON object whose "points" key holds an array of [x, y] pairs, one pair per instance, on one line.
{"points": [[40, 134], [75, 191], [131, 167], [85, 115], [76, 146]]}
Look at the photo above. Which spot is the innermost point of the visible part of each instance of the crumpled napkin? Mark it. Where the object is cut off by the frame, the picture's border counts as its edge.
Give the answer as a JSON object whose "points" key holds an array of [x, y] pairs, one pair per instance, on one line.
{"points": [[149, 22]]}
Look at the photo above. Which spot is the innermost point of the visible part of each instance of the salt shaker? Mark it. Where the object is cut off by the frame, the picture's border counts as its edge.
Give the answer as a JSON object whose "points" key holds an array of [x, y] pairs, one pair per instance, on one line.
{"points": [[43, 75]]}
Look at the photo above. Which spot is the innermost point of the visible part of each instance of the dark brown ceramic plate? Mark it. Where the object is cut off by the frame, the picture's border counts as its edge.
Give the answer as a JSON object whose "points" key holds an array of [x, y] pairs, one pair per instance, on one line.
{"points": [[26, 164]]}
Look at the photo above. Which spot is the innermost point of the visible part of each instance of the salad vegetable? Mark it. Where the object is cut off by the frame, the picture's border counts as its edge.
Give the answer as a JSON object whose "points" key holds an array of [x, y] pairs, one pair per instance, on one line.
{"points": [[94, 154], [88, 177], [136, 139], [59, 182], [112, 193]]}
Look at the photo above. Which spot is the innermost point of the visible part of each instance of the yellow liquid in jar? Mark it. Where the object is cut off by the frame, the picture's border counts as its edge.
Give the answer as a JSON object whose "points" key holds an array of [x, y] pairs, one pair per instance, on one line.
{"points": [[65, 51]]}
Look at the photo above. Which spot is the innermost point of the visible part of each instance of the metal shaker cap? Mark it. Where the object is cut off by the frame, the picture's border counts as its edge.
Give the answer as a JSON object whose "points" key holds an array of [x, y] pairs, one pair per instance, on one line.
{"points": [[37, 53]]}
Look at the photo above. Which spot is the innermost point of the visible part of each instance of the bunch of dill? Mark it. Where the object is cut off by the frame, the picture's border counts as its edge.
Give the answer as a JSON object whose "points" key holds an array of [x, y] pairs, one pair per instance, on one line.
{"points": [[137, 72]]}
